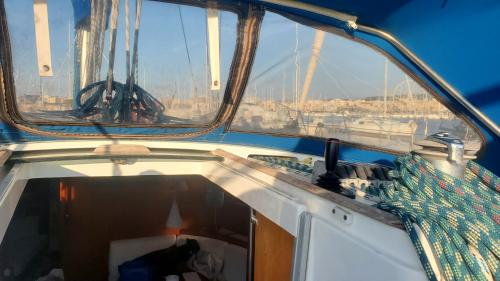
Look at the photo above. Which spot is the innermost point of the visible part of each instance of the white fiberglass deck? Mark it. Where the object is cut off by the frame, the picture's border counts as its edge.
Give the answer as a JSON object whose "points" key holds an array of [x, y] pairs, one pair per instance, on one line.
{"points": [[341, 246]]}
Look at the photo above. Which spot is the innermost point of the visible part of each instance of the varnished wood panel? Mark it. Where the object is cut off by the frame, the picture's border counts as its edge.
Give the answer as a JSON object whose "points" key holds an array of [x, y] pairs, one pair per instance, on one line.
{"points": [[273, 251]]}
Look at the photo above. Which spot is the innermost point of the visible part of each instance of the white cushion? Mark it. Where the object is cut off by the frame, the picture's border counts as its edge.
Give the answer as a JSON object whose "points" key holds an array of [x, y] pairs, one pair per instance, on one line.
{"points": [[235, 263], [235, 257], [213, 246], [121, 251]]}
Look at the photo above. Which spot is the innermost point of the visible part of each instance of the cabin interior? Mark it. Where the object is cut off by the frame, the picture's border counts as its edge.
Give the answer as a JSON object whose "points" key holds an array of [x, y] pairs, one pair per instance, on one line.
{"points": [[87, 227]]}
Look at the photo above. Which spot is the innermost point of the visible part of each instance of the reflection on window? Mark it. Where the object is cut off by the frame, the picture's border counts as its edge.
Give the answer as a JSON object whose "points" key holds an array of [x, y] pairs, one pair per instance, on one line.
{"points": [[174, 78], [308, 82]]}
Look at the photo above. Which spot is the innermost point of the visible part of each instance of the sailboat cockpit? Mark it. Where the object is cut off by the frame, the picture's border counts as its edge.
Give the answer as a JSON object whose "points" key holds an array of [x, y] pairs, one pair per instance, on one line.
{"points": [[260, 140]]}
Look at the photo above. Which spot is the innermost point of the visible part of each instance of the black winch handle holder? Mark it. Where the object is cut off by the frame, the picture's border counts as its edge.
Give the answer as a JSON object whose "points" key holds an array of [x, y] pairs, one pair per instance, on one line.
{"points": [[331, 155], [330, 179]]}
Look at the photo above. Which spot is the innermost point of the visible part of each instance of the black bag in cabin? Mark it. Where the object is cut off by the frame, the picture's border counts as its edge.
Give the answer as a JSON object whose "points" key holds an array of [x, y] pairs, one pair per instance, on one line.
{"points": [[158, 264]]}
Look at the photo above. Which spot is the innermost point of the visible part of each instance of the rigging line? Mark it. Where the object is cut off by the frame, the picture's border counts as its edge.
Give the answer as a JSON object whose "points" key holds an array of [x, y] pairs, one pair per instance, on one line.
{"points": [[126, 109], [89, 61], [352, 74], [135, 56], [127, 37], [271, 67], [133, 75], [94, 42], [207, 74], [104, 10], [327, 72], [97, 38], [185, 44], [90, 40], [112, 46]]}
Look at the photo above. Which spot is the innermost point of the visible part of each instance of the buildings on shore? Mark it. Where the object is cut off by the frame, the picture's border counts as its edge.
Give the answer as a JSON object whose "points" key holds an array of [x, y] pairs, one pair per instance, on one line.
{"points": [[393, 123], [203, 106]]}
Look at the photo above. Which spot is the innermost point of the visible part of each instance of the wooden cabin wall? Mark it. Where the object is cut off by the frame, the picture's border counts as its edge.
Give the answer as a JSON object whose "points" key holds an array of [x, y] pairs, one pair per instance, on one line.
{"points": [[273, 251], [96, 211]]}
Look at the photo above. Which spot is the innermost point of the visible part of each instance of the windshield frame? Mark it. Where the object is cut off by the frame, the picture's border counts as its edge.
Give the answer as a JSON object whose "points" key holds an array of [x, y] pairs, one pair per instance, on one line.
{"points": [[232, 97], [247, 27], [342, 33]]}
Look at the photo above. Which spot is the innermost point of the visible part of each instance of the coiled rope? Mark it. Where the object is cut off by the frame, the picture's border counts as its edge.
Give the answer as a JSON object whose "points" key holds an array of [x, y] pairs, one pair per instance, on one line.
{"points": [[114, 101], [146, 108], [459, 218]]}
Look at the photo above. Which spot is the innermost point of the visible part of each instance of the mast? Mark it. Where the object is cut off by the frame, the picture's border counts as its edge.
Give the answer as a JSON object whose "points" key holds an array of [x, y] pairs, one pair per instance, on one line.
{"points": [[313, 62], [127, 39], [208, 99], [297, 68], [176, 95], [255, 89], [70, 91], [412, 101], [283, 89], [385, 87]]}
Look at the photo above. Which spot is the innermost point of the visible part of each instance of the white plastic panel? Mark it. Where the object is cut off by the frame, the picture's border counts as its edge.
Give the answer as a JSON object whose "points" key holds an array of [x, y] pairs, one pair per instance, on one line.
{"points": [[334, 255], [11, 189]]}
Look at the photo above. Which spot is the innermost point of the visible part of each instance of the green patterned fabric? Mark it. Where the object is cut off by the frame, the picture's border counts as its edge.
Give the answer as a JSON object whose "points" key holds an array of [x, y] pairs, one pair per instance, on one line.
{"points": [[459, 218]]}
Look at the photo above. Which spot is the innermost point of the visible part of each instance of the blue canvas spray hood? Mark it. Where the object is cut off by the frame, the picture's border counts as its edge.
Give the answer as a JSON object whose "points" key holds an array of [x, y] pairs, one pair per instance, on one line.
{"points": [[458, 40]]}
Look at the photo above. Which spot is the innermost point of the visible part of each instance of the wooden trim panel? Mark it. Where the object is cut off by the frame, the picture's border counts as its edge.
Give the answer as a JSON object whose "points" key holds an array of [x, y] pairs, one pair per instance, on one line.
{"points": [[273, 251]]}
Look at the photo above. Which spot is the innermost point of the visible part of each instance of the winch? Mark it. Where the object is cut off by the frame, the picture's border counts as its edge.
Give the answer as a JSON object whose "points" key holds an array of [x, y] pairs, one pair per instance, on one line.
{"points": [[446, 153]]}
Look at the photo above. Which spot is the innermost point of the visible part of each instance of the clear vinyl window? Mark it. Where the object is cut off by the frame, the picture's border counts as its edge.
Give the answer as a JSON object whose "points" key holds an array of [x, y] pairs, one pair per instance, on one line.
{"points": [[61, 58], [308, 82]]}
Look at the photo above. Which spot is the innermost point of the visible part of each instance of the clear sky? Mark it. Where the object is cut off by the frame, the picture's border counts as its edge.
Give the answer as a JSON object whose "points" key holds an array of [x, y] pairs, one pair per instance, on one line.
{"points": [[346, 69]]}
